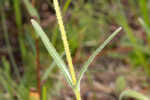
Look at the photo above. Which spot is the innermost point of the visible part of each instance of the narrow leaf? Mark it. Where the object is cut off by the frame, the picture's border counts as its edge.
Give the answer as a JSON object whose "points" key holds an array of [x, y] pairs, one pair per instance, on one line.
{"points": [[31, 10], [98, 50], [44, 93], [145, 26], [45, 76], [52, 51], [132, 94]]}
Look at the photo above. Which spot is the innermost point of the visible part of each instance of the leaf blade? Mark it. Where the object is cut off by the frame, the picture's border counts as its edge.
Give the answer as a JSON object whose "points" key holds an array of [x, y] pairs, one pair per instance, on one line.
{"points": [[51, 67], [146, 28], [52, 51], [98, 50], [133, 94], [31, 10]]}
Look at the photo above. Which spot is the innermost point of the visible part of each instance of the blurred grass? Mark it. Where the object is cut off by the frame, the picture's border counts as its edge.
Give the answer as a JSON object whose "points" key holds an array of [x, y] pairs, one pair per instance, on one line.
{"points": [[9, 48], [86, 22], [18, 19], [144, 11], [121, 18]]}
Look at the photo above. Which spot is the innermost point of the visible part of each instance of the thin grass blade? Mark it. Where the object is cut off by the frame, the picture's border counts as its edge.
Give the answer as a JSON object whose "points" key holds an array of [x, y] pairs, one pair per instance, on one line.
{"points": [[6, 86], [52, 51], [144, 11], [31, 10], [98, 50], [146, 28], [18, 19], [141, 48], [6, 36], [18, 13], [122, 20], [66, 6], [132, 94], [45, 76], [44, 93], [11, 86]]}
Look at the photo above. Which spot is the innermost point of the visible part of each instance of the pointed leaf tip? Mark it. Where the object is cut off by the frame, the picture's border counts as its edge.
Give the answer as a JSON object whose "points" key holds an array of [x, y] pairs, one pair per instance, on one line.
{"points": [[96, 52], [32, 21]]}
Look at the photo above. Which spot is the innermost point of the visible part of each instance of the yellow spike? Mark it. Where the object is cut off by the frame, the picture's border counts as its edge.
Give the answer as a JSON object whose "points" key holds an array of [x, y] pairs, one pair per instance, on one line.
{"points": [[65, 42]]}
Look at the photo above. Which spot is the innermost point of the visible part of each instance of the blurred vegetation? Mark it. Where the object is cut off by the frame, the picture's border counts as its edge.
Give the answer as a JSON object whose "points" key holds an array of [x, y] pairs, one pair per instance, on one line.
{"points": [[87, 23]]}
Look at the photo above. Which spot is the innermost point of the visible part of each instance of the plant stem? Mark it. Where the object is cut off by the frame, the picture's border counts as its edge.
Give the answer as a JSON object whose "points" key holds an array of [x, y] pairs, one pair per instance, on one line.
{"points": [[65, 42], [33, 3], [66, 46], [38, 68], [77, 94]]}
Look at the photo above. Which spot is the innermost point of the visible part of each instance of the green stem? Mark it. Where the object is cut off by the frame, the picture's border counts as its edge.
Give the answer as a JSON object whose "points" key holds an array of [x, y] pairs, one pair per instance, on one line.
{"points": [[77, 94]]}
